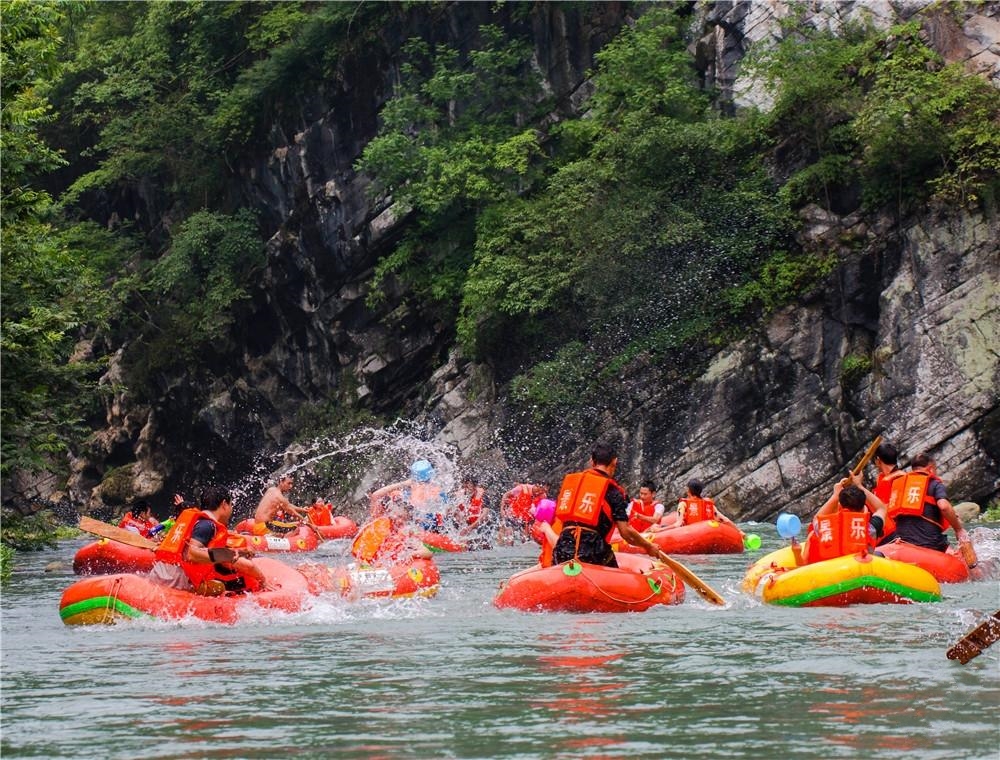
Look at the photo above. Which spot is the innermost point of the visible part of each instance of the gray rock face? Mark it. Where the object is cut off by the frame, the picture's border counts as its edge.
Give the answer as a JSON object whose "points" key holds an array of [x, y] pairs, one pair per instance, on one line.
{"points": [[769, 425]]}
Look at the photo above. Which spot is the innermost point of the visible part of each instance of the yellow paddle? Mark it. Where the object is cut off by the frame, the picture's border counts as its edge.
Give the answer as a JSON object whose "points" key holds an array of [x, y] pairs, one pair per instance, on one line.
{"points": [[864, 460], [705, 591], [113, 532]]}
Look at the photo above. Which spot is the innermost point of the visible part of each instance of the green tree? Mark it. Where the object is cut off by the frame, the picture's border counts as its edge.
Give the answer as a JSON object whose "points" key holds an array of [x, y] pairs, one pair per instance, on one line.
{"points": [[52, 272]]}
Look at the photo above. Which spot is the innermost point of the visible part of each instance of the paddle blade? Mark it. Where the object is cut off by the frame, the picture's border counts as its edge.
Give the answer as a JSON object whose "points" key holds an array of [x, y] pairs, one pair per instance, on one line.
{"points": [[113, 532], [975, 641], [705, 591]]}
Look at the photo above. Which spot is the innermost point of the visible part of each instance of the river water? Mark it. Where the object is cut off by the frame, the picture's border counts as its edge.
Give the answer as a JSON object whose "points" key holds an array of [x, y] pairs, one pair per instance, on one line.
{"points": [[454, 677]]}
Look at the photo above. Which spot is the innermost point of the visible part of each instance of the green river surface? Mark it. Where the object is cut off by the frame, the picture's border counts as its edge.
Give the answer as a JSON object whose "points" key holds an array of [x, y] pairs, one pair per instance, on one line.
{"points": [[454, 677]]}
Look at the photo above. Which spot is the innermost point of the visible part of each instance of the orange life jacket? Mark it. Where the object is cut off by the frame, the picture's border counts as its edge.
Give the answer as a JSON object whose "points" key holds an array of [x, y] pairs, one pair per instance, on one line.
{"points": [[835, 535], [696, 509], [321, 514], [368, 542], [910, 497], [883, 490], [581, 500], [637, 507], [171, 549]]}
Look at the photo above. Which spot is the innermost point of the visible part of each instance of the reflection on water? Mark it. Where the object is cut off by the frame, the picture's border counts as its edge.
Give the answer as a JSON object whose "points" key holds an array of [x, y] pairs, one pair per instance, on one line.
{"points": [[454, 677]]}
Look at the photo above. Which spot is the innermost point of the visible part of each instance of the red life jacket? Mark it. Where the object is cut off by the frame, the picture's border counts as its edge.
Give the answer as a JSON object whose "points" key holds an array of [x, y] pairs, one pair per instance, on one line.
{"points": [[143, 526], [696, 509], [475, 508], [910, 497], [520, 504], [581, 500], [636, 507], [838, 534]]}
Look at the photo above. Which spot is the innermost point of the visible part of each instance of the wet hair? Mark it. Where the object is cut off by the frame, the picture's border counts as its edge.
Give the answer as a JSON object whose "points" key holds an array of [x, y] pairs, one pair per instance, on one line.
{"points": [[603, 453], [923, 459], [852, 498], [213, 496], [140, 506], [648, 484], [887, 453], [695, 486]]}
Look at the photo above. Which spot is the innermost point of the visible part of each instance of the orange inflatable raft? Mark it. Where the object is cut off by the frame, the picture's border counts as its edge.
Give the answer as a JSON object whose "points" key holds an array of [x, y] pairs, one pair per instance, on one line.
{"points": [[439, 542], [946, 567], [340, 527], [106, 599], [105, 556], [418, 577], [704, 537], [637, 584]]}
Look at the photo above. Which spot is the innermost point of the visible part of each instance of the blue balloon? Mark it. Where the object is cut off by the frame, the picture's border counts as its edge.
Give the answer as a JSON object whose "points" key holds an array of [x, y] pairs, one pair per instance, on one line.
{"points": [[789, 525]]}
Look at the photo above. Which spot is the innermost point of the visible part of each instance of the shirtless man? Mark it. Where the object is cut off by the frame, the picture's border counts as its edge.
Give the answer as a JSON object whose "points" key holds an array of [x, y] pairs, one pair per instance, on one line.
{"points": [[273, 501]]}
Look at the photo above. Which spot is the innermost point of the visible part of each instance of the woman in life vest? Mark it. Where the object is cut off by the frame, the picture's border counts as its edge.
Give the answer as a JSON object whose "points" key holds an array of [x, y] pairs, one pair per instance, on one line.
{"points": [[645, 512], [139, 519], [843, 525], [589, 507], [197, 552], [919, 506]]}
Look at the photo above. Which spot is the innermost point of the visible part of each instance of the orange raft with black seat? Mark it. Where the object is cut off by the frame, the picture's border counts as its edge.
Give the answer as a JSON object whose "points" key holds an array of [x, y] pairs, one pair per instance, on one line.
{"points": [[703, 537], [107, 599], [946, 567], [637, 584], [105, 556], [416, 577]]}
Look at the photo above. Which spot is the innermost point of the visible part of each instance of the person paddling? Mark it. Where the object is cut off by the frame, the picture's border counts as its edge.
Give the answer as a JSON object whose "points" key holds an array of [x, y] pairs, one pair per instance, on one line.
{"points": [[274, 509], [589, 507]]}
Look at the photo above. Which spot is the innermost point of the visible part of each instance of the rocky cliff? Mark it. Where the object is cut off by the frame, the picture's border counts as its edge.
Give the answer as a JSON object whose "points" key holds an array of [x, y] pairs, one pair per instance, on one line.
{"points": [[901, 339]]}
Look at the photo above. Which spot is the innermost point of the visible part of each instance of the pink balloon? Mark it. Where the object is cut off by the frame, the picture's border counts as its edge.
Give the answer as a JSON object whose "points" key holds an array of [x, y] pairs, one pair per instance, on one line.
{"points": [[545, 511]]}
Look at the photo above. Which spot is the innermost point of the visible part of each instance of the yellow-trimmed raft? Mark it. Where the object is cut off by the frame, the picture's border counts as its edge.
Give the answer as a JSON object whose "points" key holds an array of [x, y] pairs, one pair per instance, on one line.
{"points": [[840, 582]]}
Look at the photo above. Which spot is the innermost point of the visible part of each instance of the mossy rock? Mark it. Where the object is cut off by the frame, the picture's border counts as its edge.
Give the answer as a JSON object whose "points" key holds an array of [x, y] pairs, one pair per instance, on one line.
{"points": [[116, 487], [967, 511]]}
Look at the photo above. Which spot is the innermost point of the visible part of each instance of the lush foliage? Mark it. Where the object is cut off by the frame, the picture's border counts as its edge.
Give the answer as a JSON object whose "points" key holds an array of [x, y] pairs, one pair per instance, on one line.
{"points": [[570, 252], [453, 141], [189, 294], [884, 112], [54, 273]]}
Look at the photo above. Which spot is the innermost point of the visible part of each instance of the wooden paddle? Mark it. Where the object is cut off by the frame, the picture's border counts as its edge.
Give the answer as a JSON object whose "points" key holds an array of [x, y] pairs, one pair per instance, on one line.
{"points": [[975, 641], [705, 591], [864, 460], [113, 532]]}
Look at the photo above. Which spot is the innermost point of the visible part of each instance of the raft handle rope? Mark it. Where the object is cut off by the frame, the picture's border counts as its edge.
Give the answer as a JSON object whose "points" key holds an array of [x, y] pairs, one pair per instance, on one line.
{"points": [[111, 600], [594, 583]]}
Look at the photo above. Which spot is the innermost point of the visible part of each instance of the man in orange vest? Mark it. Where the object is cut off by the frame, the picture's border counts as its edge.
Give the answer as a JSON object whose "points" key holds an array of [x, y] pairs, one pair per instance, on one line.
{"points": [[589, 507], [645, 512], [919, 506], [195, 555]]}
